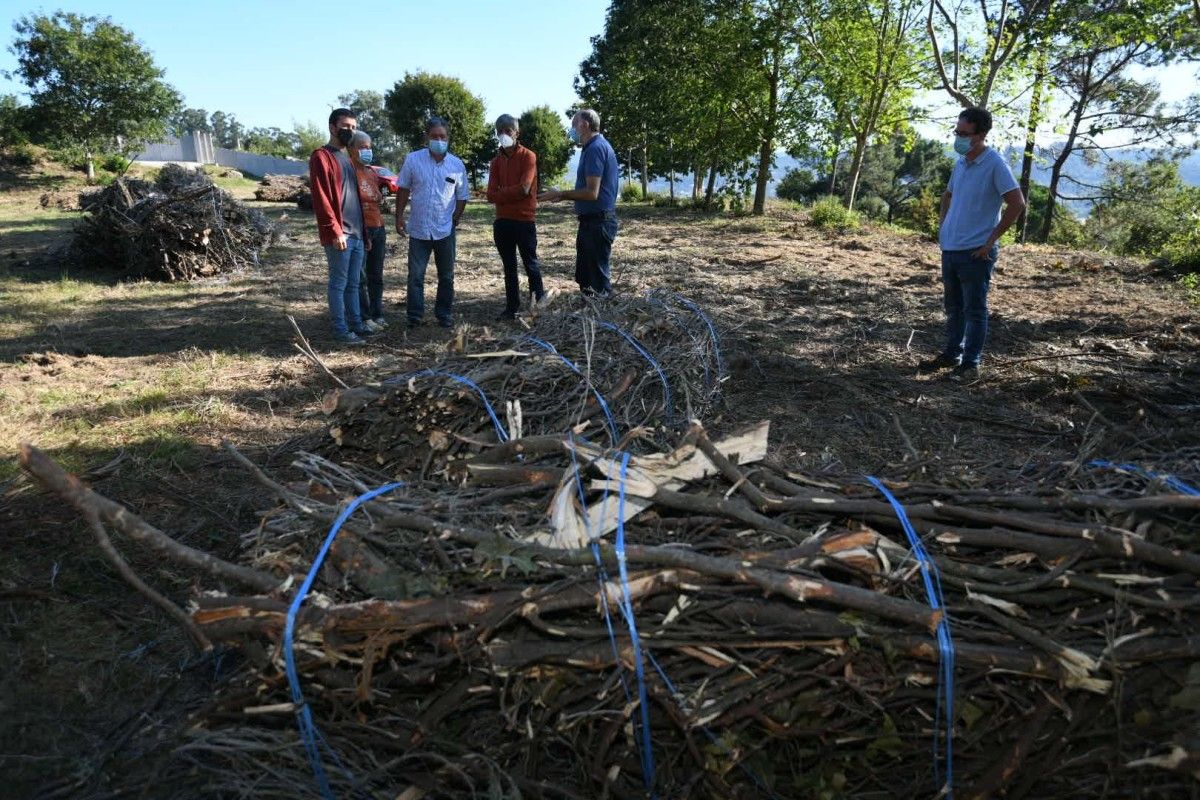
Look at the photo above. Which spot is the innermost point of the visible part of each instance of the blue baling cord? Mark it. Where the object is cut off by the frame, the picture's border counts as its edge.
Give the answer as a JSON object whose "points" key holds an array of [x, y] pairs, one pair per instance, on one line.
{"points": [[308, 728], [933, 592], [1170, 480]]}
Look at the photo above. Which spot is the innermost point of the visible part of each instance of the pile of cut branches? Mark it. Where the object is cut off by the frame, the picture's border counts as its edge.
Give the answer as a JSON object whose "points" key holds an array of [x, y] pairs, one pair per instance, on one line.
{"points": [[541, 612], [180, 227]]}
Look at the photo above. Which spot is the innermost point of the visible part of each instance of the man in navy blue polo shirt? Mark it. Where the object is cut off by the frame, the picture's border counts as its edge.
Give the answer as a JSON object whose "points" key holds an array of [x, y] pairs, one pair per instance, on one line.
{"points": [[595, 196], [971, 225]]}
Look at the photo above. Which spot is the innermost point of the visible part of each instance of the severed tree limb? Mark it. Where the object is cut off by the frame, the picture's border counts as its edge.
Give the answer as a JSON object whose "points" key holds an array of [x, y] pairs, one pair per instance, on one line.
{"points": [[307, 351], [731, 472], [86, 502], [126, 572]]}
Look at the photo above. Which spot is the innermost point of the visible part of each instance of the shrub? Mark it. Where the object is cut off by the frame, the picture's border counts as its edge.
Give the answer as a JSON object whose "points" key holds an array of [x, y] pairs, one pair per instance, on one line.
{"points": [[21, 154], [631, 193], [113, 162], [872, 207], [829, 214], [924, 212]]}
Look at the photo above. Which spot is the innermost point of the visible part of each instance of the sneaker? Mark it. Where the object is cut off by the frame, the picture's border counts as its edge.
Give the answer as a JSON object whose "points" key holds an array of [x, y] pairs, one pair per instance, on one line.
{"points": [[349, 338], [964, 373], [372, 326], [943, 361], [366, 332], [380, 323], [506, 315]]}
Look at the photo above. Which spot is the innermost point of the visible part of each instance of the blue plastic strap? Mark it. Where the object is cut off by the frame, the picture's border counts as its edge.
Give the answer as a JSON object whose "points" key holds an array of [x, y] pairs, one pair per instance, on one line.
{"points": [[1168, 479], [601, 572], [669, 409], [612, 423], [639, 665], [932, 579], [308, 728]]}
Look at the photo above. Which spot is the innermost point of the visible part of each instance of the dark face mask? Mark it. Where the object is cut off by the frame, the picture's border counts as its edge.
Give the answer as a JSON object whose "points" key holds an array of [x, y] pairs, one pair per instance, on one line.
{"points": [[344, 136]]}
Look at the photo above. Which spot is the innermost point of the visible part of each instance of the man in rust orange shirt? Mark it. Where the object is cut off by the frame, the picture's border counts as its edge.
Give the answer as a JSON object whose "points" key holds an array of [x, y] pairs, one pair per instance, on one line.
{"points": [[512, 188]]}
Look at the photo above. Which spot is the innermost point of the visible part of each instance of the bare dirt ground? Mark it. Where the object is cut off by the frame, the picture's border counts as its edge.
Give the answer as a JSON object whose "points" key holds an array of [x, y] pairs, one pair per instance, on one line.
{"points": [[136, 385]]}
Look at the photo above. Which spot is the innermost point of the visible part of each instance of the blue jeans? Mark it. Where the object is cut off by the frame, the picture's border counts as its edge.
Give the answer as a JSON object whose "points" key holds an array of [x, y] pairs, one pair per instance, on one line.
{"points": [[344, 269], [512, 236], [370, 290], [593, 247], [965, 281], [418, 259]]}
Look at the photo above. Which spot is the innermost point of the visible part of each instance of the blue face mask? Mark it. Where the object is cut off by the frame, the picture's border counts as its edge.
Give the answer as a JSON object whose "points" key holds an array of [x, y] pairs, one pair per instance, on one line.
{"points": [[573, 135], [962, 145], [365, 155], [438, 147]]}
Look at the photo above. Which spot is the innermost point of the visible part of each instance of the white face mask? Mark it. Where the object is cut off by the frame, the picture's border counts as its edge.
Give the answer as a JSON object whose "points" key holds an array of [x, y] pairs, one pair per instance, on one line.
{"points": [[506, 140]]}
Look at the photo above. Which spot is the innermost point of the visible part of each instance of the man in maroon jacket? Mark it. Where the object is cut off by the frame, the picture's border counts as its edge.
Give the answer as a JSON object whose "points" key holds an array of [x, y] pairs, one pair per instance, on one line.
{"points": [[340, 225]]}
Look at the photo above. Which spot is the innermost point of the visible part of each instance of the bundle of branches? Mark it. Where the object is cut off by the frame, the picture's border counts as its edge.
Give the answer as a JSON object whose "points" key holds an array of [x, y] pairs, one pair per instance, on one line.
{"points": [[573, 621], [180, 227], [645, 363], [282, 188]]}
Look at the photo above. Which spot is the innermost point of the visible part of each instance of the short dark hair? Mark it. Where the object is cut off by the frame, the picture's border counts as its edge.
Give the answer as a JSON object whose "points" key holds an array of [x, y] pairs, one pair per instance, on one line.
{"points": [[437, 122], [981, 118], [339, 114]]}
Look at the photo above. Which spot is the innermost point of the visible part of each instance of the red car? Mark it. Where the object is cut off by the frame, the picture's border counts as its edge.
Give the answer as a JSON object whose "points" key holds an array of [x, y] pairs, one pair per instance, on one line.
{"points": [[390, 181]]}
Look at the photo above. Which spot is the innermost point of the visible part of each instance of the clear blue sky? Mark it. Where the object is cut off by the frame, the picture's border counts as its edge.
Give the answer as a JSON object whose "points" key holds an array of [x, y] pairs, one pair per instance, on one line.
{"points": [[272, 63], [275, 63]]}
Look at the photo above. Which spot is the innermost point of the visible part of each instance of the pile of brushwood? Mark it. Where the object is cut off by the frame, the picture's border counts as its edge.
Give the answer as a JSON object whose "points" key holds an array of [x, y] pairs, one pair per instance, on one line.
{"points": [[180, 227], [577, 592], [285, 189]]}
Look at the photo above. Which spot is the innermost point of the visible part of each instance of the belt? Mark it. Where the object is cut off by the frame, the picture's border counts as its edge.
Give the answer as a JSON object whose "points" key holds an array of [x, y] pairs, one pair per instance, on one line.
{"points": [[597, 215]]}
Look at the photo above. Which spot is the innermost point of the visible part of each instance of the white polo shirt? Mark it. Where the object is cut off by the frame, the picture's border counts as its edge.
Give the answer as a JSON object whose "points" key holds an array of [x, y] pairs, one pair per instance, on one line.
{"points": [[435, 190]]}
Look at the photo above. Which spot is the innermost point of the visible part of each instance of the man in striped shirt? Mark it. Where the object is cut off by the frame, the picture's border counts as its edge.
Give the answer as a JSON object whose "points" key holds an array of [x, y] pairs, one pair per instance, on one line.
{"points": [[436, 183]]}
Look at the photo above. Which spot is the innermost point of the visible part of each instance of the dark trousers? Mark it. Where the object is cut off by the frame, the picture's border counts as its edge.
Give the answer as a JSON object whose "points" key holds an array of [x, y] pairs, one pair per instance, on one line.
{"points": [[512, 237], [443, 251], [370, 288], [965, 282], [593, 247]]}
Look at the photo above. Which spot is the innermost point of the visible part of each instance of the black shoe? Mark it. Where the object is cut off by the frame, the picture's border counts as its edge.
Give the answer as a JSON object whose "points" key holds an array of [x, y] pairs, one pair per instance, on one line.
{"points": [[965, 373], [941, 362], [506, 315], [414, 323], [445, 323], [364, 333]]}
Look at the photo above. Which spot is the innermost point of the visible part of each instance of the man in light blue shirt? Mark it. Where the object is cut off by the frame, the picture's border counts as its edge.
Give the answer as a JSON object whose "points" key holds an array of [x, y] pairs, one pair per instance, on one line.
{"points": [[971, 225], [436, 182]]}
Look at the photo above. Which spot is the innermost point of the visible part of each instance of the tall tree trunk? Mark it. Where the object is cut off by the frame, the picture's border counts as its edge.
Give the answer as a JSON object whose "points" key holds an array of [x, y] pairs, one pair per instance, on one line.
{"points": [[860, 150], [833, 164], [671, 159], [767, 149], [1035, 117], [1081, 103], [697, 181], [91, 166], [712, 182], [645, 164]]}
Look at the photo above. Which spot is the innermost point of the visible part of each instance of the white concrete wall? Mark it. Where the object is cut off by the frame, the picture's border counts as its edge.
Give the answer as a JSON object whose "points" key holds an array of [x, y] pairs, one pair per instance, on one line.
{"points": [[197, 148], [256, 164]]}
